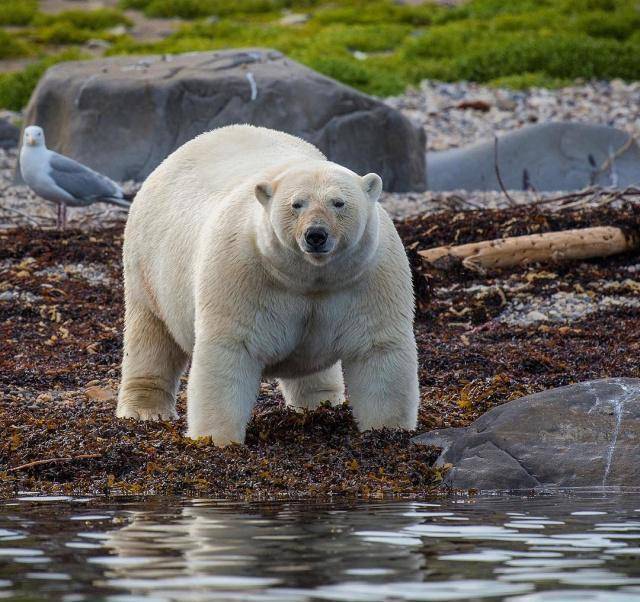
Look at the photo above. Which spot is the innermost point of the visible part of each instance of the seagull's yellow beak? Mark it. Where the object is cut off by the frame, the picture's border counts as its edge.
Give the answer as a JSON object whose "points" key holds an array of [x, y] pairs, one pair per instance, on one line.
{"points": [[31, 141]]}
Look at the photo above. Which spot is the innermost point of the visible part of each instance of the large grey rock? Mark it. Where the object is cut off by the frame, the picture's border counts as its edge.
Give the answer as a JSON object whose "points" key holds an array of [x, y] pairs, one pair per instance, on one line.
{"points": [[9, 134], [549, 156], [122, 116], [584, 435]]}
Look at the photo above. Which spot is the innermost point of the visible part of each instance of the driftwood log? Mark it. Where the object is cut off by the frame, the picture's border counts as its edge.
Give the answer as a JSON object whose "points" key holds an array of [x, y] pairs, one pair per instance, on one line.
{"points": [[583, 243]]}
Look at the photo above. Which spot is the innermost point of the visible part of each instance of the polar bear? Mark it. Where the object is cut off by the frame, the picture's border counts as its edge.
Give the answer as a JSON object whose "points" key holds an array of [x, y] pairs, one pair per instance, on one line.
{"points": [[249, 252]]}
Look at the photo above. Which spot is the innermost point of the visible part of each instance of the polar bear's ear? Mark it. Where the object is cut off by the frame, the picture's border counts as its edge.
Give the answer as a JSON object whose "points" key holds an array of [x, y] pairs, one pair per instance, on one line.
{"points": [[264, 193], [372, 186]]}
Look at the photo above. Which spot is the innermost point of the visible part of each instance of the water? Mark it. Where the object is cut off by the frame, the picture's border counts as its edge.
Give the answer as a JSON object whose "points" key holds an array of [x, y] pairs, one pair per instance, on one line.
{"points": [[571, 547]]}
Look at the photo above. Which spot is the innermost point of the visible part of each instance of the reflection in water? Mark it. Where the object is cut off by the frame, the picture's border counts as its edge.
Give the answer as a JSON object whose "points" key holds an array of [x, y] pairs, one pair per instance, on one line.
{"points": [[552, 548]]}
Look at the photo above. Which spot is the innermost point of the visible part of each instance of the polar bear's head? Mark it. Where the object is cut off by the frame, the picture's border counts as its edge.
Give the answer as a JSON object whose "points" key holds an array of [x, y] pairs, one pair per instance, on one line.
{"points": [[319, 210]]}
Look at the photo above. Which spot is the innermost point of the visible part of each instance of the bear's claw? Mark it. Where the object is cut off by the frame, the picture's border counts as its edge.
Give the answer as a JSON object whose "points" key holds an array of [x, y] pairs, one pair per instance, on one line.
{"points": [[146, 414]]}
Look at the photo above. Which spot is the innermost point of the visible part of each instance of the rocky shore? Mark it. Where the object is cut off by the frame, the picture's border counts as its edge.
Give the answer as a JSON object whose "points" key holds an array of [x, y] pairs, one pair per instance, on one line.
{"points": [[483, 340]]}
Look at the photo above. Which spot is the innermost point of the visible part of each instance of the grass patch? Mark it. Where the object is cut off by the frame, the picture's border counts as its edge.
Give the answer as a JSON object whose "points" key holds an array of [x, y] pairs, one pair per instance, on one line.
{"points": [[11, 47], [193, 9], [525, 81], [17, 12], [380, 46], [16, 88], [94, 20], [74, 27]]}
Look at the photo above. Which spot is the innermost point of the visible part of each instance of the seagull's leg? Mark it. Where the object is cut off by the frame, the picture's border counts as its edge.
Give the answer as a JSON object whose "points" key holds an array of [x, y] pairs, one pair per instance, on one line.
{"points": [[64, 216], [59, 217]]}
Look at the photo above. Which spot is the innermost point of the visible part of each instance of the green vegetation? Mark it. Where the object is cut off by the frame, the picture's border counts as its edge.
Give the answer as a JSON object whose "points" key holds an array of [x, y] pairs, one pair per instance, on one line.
{"points": [[16, 88], [17, 12], [193, 9], [95, 20], [10, 47], [380, 46], [75, 26]]}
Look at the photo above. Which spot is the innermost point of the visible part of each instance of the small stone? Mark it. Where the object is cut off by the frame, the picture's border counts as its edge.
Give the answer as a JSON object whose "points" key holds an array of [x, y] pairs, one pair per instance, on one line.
{"points": [[294, 19], [98, 44], [118, 30], [537, 316]]}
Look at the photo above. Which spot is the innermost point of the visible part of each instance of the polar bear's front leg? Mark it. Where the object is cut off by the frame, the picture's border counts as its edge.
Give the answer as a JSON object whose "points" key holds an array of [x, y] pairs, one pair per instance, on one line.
{"points": [[383, 386], [309, 392], [151, 367], [222, 390]]}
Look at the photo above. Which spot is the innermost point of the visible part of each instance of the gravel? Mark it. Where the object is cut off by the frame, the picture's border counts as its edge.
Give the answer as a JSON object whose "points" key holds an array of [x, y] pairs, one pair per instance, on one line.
{"points": [[93, 273], [561, 307], [440, 109]]}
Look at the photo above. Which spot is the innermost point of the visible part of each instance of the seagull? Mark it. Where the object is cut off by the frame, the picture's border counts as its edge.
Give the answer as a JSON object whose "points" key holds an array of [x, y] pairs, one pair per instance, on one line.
{"points": [[62, 180]]}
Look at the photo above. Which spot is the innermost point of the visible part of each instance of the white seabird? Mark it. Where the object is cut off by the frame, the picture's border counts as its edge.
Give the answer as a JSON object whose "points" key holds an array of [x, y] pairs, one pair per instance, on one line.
{"points": [[62, 180]]}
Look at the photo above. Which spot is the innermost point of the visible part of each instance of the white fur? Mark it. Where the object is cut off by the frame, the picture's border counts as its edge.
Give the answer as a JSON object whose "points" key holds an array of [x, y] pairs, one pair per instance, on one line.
{"points": [[214, 271]]}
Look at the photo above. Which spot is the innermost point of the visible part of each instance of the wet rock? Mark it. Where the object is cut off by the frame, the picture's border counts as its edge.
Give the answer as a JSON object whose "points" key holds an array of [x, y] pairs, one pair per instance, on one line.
{"points": [[582, 435], [549, 156], [124, 115]]}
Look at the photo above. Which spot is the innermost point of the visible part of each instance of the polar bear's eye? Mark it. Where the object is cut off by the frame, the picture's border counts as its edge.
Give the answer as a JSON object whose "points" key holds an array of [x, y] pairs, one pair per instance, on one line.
{"points": [[338, 203], [297, 204]]}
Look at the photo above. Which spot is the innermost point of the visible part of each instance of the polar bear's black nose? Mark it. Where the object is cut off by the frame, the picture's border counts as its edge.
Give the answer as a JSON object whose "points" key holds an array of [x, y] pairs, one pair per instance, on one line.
{"points": [[316, 236]]}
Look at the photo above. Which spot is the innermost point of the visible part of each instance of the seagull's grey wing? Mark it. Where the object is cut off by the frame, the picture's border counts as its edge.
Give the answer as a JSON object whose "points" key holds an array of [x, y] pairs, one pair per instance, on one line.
{"points": [[80, 181]]}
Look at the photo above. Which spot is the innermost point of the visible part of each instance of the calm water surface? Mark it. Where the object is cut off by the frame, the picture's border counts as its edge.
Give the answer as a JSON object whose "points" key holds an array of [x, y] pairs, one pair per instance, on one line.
{"points": [[569, 547]]}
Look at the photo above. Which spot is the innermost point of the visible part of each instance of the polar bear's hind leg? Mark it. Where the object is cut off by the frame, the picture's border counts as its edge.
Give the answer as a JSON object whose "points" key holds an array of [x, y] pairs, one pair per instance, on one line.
{"points": [[151, 368], [310, 391]]}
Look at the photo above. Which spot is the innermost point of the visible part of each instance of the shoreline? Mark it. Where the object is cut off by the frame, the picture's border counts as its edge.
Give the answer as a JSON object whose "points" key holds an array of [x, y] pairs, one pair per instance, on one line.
{"points": [[483, 340]]}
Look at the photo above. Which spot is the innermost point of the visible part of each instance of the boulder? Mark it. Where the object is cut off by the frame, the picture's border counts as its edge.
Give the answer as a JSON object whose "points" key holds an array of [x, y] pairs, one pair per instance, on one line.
{"points": [[9, 134], [123, 115], [546, 157], [583, 435]]}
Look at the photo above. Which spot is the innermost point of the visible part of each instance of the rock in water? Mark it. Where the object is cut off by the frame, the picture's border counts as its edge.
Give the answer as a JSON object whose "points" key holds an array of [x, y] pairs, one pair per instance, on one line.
{"points": [[549, 156], [583, 435], [124, 115]]}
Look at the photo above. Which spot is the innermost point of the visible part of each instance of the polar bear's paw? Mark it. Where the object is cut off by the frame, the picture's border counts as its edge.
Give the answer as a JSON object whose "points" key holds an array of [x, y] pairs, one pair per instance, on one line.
{"points": [[217, 437], [144, 400], [314, 399], [146, 413]]}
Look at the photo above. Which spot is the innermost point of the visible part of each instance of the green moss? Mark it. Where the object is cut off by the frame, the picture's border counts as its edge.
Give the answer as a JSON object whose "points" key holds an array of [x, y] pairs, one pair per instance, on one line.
{"points": [[379, 12], [74, 27], [11, 47], [16, 88], [61, 33], [93, 20], [365, 38], [555, 56], [618, 25], [381, 46], [193, 9], [17, 12], [525, 81]]}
